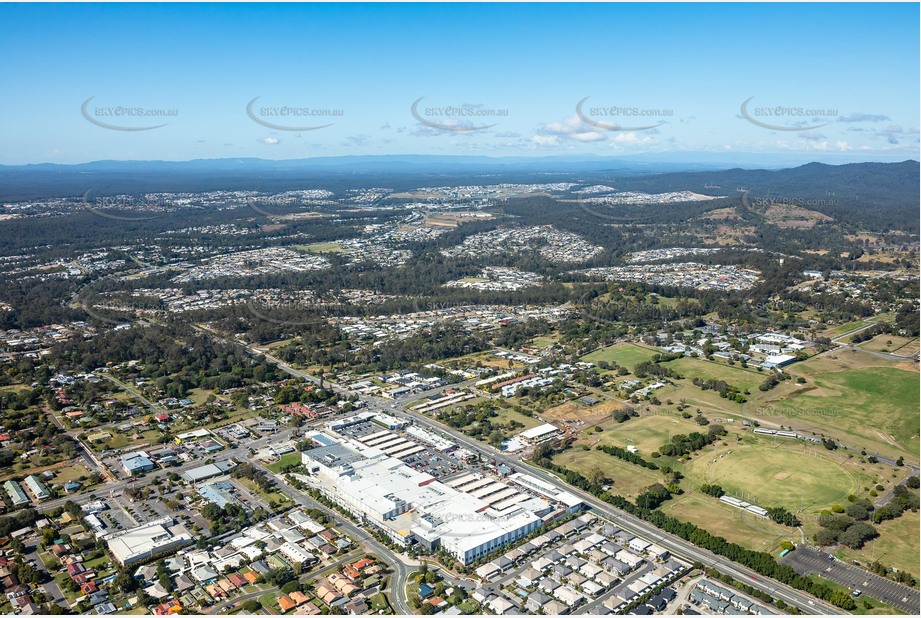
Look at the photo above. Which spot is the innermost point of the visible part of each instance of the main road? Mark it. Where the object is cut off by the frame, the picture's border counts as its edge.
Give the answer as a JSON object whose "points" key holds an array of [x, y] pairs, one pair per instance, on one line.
{"points": [[806, 603], [239, 453], [397, 565]]}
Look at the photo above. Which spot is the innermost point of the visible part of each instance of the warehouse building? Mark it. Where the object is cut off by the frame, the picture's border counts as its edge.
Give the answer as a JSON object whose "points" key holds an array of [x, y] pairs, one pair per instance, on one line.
{"points": [[137, 463], [539, 433], [147, 540], [208, 471]]}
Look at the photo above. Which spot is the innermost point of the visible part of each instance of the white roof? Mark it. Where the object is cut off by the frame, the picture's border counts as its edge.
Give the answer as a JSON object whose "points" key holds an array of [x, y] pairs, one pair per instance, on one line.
{"points": [[539, 431], [779, 358], [149, 538]]}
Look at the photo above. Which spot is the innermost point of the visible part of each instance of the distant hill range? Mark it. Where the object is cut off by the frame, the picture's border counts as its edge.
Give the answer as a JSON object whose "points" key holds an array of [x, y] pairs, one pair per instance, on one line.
{"points": [[871, 192], [881, 195]]}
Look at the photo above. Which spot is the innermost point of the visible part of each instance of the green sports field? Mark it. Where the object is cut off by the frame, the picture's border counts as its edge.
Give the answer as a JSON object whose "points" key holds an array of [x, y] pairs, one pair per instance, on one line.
{"points": [[625, 354], [691, 368], [780, 473], [875, 407]]}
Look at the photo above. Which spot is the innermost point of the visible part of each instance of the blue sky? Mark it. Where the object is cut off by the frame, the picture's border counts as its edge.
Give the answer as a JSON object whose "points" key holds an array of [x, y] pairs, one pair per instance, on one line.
{"points": [[829, 80]]}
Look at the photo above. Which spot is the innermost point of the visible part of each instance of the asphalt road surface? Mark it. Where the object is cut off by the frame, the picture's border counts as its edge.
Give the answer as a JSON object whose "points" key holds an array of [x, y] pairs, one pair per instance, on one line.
{"points": [[400, 570], [806, 560], [806, 603]]}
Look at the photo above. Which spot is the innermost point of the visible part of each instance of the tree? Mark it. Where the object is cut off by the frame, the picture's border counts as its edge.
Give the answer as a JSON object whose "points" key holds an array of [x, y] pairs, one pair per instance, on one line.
{"points": [[858, 534], [654, 496], [859, 509], [597, 477], [280, 576], [826, 537], [842, 599], [125, 581], [291, 586]]}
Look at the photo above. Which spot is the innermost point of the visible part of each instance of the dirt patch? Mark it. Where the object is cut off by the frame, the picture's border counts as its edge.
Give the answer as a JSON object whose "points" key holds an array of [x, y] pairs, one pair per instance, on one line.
{"points": [[781, 476], [574, 411], [722, 214], [791, 216]]}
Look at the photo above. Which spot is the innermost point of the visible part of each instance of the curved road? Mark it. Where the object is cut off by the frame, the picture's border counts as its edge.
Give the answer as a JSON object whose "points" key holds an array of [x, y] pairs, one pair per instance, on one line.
{"points": [[217, 609], [399, 568]]}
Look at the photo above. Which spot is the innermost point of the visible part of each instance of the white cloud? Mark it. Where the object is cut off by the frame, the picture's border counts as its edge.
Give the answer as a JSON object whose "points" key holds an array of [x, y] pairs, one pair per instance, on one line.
{"points": [[631, 138], [572, 128], [571, 125], [588, 136], [271, 141], [546, 140]]}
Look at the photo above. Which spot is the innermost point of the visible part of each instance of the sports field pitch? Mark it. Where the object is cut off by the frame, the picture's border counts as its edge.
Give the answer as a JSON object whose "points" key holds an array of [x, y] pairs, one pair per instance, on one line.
{"points": [[625, 354], [782, 473], [874, 408]]}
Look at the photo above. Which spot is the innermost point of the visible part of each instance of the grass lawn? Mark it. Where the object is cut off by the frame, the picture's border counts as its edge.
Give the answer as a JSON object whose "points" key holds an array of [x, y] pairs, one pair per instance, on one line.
{"points": [[897, 545], [486, 359], [778, 473], [61, 578], [691, 368], [506, 414], [98, 564], [709, 402], [872, 407], [277, 497], [666, 301], [625, 354], [646, 433], [123, 440], [629, 480], [47, 558], [834, 331], [288, 459], [379, 602], [270, 601], [735, 525], [233, 416], [71, 472], [881, 343]]}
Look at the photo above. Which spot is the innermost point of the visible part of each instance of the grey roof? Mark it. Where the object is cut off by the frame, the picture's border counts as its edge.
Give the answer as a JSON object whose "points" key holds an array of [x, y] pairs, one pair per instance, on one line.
{"points": [[335, 455]]}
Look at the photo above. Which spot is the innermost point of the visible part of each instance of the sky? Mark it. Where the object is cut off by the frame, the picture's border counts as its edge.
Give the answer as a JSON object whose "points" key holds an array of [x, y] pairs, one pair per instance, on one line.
{"points": [[283, 81]]}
